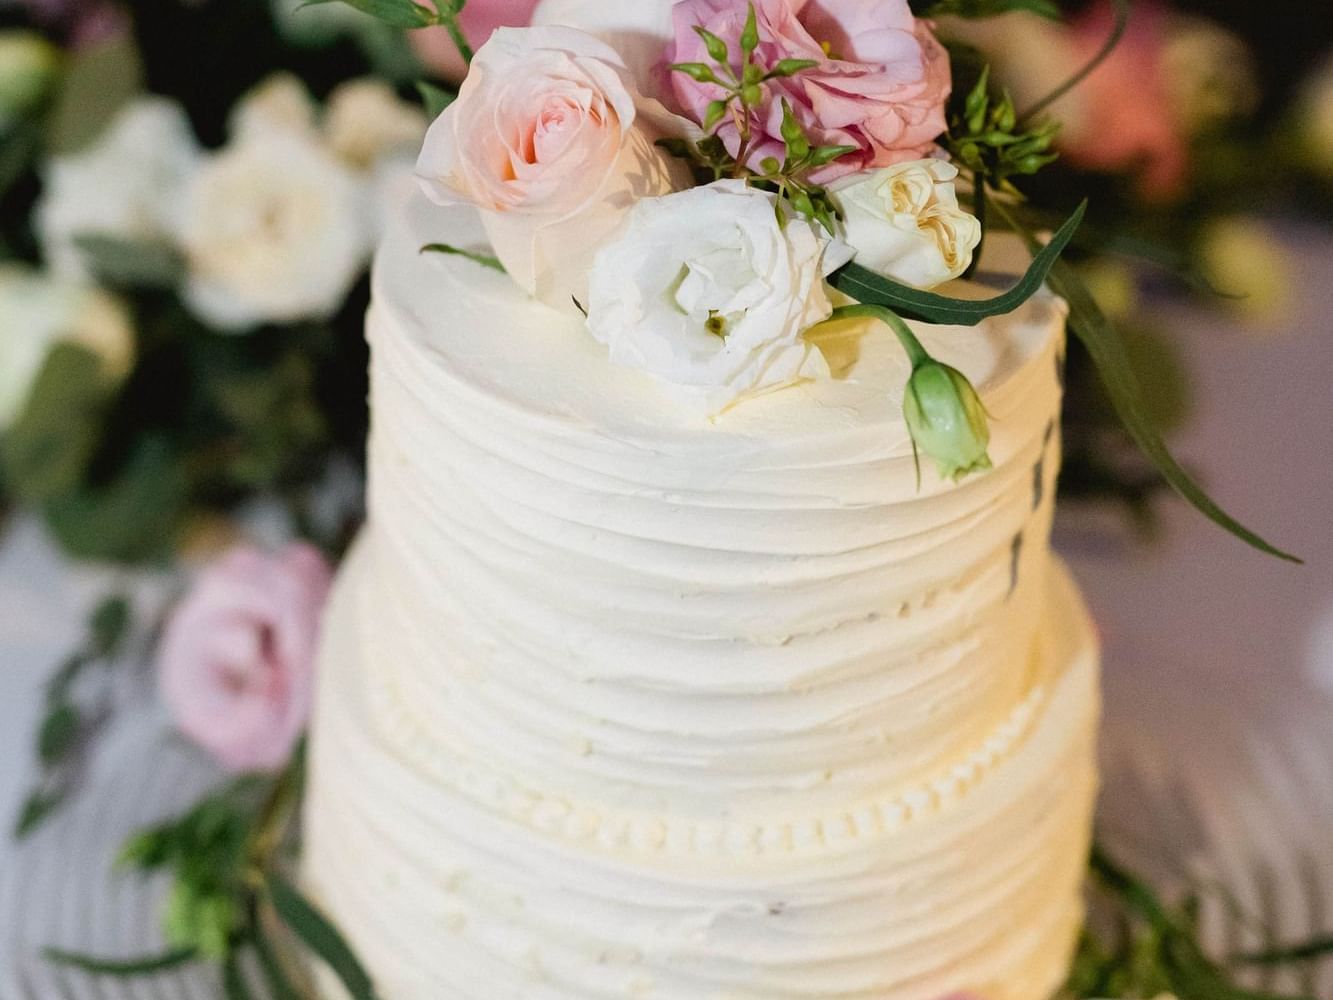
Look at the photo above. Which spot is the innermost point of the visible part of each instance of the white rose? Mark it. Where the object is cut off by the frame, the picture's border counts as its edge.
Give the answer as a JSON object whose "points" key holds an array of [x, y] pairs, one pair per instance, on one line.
{"points": [[274, 231], [366, 121], [543, 140], [129, 184], [280, 103], [38, 311], [904, 221], [708, 292]]}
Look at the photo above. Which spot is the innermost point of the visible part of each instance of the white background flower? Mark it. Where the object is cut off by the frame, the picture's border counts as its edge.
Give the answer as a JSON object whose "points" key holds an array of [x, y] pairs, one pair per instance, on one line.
{"points": [[39, 310], [280, 103], [706, 291], [904, 221], [274, 230], [543, 140], [367, 122], [129, 184]]}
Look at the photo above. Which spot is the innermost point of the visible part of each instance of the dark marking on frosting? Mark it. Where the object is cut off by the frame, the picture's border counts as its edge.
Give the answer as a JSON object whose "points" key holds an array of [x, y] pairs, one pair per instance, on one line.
{"points": [[1015, 555]]}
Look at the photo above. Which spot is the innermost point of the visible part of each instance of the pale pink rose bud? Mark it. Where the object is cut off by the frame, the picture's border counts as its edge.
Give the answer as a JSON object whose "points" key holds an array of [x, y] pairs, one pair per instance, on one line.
{"points": [[880, 83], [543, 140], [236, 662]]}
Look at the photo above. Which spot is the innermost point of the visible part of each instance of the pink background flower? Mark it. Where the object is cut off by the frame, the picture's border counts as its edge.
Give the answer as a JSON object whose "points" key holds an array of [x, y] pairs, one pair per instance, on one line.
{"points": [[1127, 121], [479, 19], [236, 663], [880, 85]]}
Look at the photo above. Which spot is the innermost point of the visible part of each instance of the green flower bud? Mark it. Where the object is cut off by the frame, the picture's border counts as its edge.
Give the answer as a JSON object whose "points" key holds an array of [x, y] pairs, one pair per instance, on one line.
{"points": [[946, 419], [28, 68]]}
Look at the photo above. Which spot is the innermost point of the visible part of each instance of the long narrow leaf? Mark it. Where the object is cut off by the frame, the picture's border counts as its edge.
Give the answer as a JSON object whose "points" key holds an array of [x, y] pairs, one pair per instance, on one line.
{"points": [[870, 288], [395, 13], [321, 937], [122, 967], [1108, 352], [1306, 951], [234, 986], [279, 984]]}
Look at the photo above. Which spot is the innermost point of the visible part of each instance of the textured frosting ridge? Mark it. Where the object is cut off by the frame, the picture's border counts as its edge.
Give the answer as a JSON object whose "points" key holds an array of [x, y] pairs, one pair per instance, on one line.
{"points": [[619, 701]]}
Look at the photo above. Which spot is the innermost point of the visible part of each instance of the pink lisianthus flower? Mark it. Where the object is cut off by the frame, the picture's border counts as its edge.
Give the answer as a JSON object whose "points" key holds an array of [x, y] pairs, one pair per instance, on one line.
{"points": [[880, 82], [436, 49], [1126, 119], [236, 662]]}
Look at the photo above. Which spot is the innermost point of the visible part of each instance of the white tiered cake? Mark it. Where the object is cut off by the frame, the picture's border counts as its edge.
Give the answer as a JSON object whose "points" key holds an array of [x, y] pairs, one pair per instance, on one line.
{"points": [[620, 702]]}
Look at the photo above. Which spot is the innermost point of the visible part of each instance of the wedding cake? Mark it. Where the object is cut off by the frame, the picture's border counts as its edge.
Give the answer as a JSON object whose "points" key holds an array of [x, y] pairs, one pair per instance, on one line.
{"points": [[628, 694]]}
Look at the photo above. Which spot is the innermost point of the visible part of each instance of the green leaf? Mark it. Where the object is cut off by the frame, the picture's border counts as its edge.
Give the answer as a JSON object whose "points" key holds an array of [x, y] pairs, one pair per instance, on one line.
{"points": [[973, 9], [435, 99], [49, 448], [279, 984], [122, 967], [790, 67], [715, 113], [699, 72], [233, 979], [37, 809], [58, 734], [1306, 951], [717, 48], [750, 33], [109, 623], [477, 258], [131, 264], [99, 81], [1114, 365], [396, 13], [132, 518], [321, 937], [798, 146], [866, 286], [822, 155]]}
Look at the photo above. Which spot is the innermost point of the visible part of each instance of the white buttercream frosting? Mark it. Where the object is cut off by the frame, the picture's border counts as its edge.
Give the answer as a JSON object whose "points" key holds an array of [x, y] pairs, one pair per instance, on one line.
{"points": [[620, 701]]}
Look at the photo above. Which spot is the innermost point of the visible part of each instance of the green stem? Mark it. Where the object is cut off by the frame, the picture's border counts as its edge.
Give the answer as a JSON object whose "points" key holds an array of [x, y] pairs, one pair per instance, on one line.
{"points": [[1117, 32], [451, 25], [979, 198], [915, 352]]}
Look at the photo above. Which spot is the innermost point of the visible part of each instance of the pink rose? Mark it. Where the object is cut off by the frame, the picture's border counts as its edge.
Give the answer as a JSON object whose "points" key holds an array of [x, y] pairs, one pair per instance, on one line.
{"points": [[236, 663], [436, 49], [1127, 121], [543, 140], [880, 84]]}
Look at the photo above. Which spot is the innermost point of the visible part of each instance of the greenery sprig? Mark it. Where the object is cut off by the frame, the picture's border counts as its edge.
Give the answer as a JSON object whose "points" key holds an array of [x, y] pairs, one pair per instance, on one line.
{"points": [[229, 896], [986, 137], [409, 14], [68, 722]]}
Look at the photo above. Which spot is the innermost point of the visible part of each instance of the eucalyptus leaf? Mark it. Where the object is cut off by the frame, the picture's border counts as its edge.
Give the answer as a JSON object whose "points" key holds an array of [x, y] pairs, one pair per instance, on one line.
{"points": [[58, 733], [321, 937], [435, 99], [49, 448], [396, 13], [130, 263], [99, 81], [108, 624], [122, 967], [870, 288], [1115, 367], [37, 808]]}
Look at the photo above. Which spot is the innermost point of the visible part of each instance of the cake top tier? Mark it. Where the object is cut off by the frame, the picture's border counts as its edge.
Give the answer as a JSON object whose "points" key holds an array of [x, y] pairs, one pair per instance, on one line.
{"points": [[527, 363]]}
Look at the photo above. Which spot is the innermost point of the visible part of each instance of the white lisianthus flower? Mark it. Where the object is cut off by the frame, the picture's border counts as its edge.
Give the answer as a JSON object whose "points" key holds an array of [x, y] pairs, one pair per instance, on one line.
{"points": [[366, 122], [128, 185], [904, 222], [274, 231], [280, 103], [38, 311], [709, 293]]}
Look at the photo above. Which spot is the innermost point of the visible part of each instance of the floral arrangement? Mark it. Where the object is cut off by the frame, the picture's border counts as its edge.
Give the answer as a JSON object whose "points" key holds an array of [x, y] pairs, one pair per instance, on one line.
{"points": [[184, 284]]}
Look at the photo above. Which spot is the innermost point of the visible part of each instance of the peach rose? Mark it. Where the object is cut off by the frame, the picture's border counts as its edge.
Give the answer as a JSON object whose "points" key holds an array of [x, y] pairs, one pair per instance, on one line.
{"points": [[543, 141], [236, 662]]}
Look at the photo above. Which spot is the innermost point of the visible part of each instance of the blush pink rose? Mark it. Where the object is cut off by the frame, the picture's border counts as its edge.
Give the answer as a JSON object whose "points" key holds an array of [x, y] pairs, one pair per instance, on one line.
{"points": [[436, 49], [543, 140], [1127, 121], [236, 662], [880, 85]]}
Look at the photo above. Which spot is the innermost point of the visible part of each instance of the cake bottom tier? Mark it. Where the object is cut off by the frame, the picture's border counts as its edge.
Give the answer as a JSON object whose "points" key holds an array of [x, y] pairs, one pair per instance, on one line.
{"points": [[971, 883]]}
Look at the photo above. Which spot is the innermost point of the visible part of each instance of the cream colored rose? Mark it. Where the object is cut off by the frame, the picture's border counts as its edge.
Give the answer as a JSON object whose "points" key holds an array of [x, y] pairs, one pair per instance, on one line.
{"points": [[129, 184], [38, 311], [280, 103], [543, 140], [904, 222], [708, 292], [274, 230], [366, 122]]}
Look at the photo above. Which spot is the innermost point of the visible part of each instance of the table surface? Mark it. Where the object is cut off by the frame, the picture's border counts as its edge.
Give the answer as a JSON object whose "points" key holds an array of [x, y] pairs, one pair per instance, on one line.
{"points": [[1205, 640]]}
